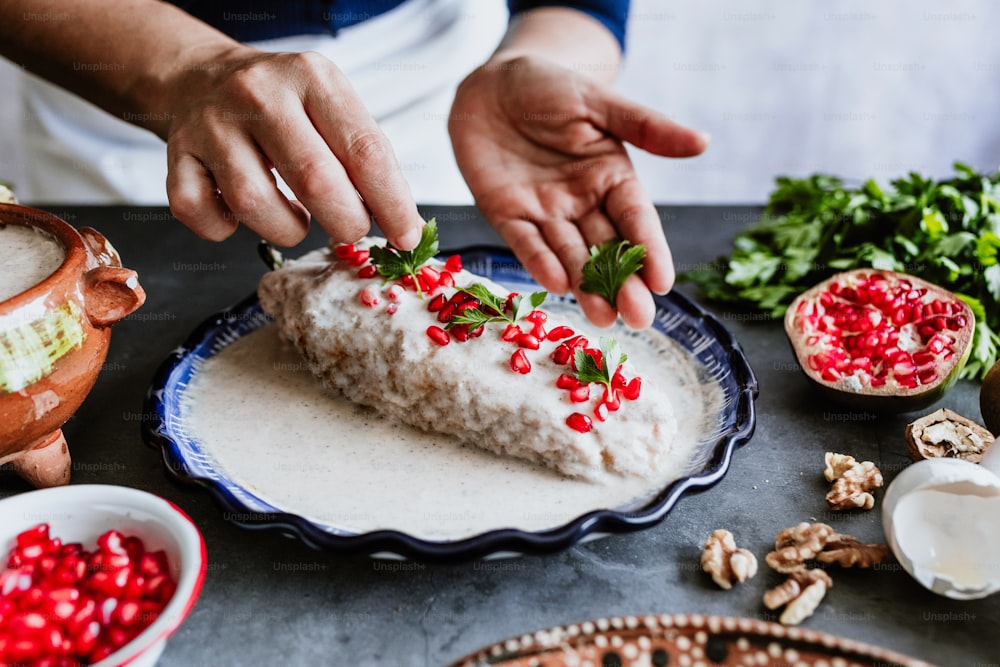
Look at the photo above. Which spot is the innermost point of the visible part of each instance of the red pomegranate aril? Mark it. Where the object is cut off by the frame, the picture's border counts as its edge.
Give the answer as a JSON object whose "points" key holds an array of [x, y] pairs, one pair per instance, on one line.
{"points": [[128, 613], [528, 341], [579, 422], [580, 394], [447, 279], [35, 535], [618, 379], [359, 258], [460, 332], [453, 263], [508, 304], [447, 314], [632, 389], [430, 275], [559, 333], [438, 335], [511, 333], [437, 303], [830, 374], [958, 321], [369, 296], [519, 362], [366, 272], [601, 412], [567, 381], [927, 375], [537, 317], [477, 332], [937, 344], [345, 251], [391, 308], [611, 399], [561, 355], [576, 341], [538, 331]]}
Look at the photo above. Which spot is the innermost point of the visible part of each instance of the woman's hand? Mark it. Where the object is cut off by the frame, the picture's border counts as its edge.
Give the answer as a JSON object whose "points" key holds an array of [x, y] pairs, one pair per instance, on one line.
{"points": [[542, 149], [235, 118]]}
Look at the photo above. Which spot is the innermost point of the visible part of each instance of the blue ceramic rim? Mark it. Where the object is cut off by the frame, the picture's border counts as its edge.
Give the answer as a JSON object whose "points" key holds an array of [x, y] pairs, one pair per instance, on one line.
{"points": [[740, 420]]}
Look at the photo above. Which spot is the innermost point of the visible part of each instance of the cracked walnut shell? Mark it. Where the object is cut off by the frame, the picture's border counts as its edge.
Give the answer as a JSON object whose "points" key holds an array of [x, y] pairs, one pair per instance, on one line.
{"points": [[853, 482], [945, 433], [849, 551], [725, 562]]}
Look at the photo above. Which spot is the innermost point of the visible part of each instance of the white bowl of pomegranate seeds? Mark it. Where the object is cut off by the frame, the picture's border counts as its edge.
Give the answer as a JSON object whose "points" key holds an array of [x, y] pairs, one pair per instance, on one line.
{"points": [[94, 575]]}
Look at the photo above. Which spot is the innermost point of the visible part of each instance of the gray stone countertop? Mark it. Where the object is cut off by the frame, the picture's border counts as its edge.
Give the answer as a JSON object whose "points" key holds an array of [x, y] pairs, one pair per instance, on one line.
{"points": [[270, 600]]}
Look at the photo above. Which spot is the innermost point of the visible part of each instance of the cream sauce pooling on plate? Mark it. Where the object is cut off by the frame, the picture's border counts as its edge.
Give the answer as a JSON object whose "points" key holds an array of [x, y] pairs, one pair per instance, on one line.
{"points": [[29, 257], [274, 430]]}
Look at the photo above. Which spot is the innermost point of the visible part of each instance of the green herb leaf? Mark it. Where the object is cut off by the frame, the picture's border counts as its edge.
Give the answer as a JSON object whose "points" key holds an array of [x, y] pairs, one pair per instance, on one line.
{"points": [[946, 232], [476, 316], [587, 368], [610, 264], [393, 263]]}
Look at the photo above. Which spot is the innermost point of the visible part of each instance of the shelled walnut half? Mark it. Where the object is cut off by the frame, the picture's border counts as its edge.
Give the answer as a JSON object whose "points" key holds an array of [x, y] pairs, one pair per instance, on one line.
{"points": [[944, 433], [725, 562], [853, 482]]}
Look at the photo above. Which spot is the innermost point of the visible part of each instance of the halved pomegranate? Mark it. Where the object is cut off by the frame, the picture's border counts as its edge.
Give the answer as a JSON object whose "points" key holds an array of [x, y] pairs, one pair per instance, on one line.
{"points": [[880, 340]]}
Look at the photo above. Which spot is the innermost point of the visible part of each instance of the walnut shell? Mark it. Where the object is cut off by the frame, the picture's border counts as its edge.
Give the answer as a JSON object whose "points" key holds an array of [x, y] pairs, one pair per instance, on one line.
{"points": [[945, 433]]}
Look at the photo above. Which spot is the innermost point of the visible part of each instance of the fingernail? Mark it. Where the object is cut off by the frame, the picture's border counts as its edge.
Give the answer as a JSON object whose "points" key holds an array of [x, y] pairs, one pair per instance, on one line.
{"points": [[409, 239]]}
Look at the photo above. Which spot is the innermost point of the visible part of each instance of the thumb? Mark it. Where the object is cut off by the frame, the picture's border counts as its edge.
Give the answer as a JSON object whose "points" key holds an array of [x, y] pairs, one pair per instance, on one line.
{"points": [[646, 128]]}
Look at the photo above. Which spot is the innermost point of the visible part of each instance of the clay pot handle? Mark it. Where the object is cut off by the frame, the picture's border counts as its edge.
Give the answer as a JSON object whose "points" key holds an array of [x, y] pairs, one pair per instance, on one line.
{"points": [[100, 247], [110, 293]]}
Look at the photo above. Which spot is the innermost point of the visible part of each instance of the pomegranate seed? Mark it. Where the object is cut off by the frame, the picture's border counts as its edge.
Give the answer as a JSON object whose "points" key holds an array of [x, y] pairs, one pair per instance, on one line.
{"points": [[127, 613], [345, 251], [576, 341], [580, 394], [579, 422], [826, 299], [927, 376], [369, 296], [611, 399], [567, 381], [430, 276], [601, 412], [447, 313], [437, 303], [528, 341], [453, 263], [937, 344], [359, 258], [561, 355], [407, 282], [901, 316], [394, 293], [538, 331], [519, 362], [632, 389], [877, 381], [478, 331], [447, 280], [537, 317], [438, 335], [460, 332], [559, 333], [36, 535], [830, 374], [511, 333], [366, 272], [926, 331], [959, 321], [508, 304]]}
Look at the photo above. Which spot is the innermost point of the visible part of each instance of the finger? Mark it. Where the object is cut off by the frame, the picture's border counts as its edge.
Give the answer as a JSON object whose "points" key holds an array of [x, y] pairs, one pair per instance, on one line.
{"points": [[644, 127], [533, 251], [194, 198], [318, 179], [369, 161], [636, 219], [251, 194]]}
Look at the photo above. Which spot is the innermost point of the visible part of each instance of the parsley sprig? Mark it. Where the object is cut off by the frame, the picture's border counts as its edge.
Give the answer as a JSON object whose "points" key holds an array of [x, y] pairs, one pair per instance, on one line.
{"points": [[610, 264], [393, 263], [587, 368], [474, 317], [946, 232]]}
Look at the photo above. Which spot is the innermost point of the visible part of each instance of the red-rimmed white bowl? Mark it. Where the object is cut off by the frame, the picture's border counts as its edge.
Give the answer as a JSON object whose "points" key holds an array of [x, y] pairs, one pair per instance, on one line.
{"points": [[80, 513]]}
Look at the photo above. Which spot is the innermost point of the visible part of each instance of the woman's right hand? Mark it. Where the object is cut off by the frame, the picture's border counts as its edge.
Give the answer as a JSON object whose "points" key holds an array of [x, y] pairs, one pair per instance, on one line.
{"points": [[233, 118]]}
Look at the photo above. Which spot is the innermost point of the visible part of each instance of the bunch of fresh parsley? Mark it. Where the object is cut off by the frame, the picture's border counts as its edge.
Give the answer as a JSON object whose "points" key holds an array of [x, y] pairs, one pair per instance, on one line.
{"points": [[946, 232]]}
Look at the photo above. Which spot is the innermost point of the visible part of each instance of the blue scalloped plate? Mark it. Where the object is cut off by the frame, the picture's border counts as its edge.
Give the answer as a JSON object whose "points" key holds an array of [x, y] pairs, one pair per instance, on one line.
{"points": [[694, 329]]}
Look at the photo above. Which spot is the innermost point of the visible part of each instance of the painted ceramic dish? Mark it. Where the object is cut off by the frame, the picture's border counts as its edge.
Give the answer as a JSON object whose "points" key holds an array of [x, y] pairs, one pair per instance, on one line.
{"points": [[683, 639], [267, 475]]}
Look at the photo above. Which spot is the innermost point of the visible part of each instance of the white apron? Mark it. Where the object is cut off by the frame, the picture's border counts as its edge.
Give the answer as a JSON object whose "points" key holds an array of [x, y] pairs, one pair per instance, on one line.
{"points": [[404, 64]]}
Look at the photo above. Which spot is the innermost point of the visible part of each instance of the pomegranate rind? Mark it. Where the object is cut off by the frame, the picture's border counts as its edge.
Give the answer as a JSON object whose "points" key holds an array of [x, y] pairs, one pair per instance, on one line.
{"points": [[853, 390], [989, 398]]}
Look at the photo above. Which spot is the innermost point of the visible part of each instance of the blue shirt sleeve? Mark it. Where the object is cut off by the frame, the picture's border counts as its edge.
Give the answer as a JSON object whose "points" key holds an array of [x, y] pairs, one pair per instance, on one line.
{"points": [[612, 14]]}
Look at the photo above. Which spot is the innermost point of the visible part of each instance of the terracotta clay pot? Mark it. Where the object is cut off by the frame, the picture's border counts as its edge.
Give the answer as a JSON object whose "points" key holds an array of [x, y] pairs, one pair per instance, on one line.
{"points": [[53, 341]]}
